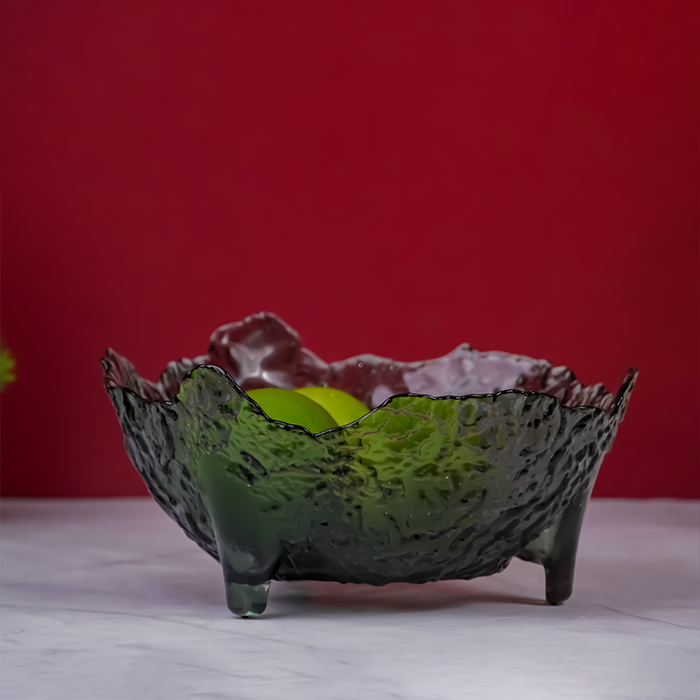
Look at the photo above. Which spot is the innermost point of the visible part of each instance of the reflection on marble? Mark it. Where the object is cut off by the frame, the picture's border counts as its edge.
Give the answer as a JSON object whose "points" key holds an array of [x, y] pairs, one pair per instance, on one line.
{"points": [[108, 600]]}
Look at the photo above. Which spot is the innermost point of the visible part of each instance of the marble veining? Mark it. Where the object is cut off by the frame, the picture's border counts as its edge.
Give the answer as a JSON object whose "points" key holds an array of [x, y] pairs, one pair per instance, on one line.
{"points": [[106, 600]]}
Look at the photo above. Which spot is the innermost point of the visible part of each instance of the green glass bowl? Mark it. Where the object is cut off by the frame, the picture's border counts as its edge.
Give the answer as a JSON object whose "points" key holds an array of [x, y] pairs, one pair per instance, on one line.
{"points": [[463, 463]]}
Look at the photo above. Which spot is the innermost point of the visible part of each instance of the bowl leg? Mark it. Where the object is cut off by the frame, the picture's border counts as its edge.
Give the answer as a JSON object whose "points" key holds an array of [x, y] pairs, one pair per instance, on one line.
{"points": [[246, 600], [560, 564], [246, 539], [556, 550], [248, 568]]}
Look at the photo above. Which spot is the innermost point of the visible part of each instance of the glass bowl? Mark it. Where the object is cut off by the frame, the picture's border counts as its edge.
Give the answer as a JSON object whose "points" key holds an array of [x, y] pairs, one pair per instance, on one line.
{"points": [[463, 462]]}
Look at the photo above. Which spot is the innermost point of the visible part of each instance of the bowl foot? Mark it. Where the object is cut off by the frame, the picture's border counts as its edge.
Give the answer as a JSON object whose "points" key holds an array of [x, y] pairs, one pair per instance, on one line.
{"points": [[247, 542], [247, 600], [556, 550]]}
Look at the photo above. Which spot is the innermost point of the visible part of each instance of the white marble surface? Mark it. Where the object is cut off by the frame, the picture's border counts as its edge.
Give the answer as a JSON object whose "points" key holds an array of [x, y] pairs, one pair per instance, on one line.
{"points": [[109, 600]]}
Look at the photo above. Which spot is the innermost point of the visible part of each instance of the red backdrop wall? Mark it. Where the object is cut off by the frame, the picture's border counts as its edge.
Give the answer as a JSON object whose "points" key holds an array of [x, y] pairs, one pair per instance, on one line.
{"points": [[392, 177]]}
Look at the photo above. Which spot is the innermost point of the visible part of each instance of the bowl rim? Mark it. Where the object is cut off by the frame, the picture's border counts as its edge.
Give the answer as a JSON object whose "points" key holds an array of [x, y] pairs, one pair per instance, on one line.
{"points": [[616, 412], [119, 372]]}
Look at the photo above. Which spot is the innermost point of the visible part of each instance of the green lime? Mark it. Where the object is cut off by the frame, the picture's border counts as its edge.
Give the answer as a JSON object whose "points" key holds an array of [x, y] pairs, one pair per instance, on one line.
{"points": [[343, 408], [291, 407]]}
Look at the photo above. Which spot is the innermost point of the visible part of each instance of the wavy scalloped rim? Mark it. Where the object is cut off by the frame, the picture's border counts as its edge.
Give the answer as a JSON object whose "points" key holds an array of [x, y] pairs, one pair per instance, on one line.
{"points": [[263, 351]]}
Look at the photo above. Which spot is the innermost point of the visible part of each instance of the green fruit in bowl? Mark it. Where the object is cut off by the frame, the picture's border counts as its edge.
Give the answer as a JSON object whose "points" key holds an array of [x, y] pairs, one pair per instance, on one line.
{"points": [[292, 407], [343, 407]]}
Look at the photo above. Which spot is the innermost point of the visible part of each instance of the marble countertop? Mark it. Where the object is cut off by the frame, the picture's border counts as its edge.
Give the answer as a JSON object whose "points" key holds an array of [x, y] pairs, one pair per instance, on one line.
{"points": [[107, 599]]}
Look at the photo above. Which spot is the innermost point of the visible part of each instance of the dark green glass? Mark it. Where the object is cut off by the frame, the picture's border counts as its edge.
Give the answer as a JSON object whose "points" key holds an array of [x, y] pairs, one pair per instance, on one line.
{"points": [[420, 489]]}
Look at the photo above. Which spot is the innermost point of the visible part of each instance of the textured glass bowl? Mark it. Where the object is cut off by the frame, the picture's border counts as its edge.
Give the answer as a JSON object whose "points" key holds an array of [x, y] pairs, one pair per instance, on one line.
{"points": [[463, 463]]}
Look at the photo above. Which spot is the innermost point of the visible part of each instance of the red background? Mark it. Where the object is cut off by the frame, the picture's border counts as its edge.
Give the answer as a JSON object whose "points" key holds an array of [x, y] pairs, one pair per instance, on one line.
{"points": [[392, 177]]}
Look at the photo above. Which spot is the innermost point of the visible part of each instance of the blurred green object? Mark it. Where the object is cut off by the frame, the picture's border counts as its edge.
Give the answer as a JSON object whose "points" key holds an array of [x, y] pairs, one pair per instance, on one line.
{"points": [[7, 368]]}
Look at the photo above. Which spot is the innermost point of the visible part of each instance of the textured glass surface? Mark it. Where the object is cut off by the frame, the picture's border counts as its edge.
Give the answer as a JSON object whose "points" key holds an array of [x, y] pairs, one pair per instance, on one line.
{"points": [[464, 462]]}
